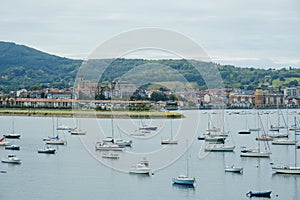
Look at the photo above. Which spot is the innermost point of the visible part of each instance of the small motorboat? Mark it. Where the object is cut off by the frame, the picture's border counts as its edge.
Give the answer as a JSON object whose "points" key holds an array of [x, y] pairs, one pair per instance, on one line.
{"points": [[11, 158], [141, 167], [47, 150], [12, 147], [12, 136], [234, 169], [259, 194]]}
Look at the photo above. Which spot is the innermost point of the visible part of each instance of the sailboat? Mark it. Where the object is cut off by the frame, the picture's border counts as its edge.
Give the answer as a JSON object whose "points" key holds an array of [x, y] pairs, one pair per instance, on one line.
{"points": [[55, 140], [219, 146], [257, 151], [214, 134], [108, 144], [245, 131], [289, 169], [77, 131], [171, 140], [184, 179], [47, 150], [12, 135]]}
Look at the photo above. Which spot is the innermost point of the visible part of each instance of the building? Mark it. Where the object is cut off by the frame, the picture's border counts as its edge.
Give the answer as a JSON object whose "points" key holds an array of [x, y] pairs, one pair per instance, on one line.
{"points": [[291, 92], [265, 99]]}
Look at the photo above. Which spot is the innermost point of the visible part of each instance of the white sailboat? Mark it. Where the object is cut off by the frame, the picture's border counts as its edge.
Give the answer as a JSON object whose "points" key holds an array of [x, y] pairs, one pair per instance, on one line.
{"points": [[55, 140], [219, 146], [184, 179], [257, 152], [77, 130], [171, 140], [286, 169]]}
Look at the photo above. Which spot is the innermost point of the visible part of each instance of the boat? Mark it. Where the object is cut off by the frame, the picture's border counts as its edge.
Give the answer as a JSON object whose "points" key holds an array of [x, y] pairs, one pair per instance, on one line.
{"points": [[12, 159], [256, 152], [139, 133], [105, 146], [3, 142], [171, 140], [215, 139], [47, 150], [277, 135], [122, 143], [12, 135], [259, 194], [54, 140], [286, 169], [64, 128], [148, 128], [201, 137], [245, 131], [77, 132], [140, 168], [234, 169], [184, 179], [12, 147], [264, 138], [219, 148], [111, 155], [284, 142]]}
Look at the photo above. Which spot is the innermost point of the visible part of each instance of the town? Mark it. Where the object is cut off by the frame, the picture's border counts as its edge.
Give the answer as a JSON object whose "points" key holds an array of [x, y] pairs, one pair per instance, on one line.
{"points": [[126, 96]]}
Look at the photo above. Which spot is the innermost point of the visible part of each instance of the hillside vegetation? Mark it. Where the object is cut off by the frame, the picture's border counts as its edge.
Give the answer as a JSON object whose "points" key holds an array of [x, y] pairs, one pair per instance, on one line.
{"points": [[25, 67]]}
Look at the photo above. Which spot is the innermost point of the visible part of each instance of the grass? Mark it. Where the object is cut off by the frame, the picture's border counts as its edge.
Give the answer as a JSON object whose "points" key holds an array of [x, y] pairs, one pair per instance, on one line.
{"points": [[88, 113]]}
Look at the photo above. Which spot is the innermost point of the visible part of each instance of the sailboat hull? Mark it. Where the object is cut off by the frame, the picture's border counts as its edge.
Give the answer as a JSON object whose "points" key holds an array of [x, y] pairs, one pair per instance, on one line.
{"points": [[12, 136], [220, 148], [186, 181], [288, 171], [256, 154], [169, 142]]}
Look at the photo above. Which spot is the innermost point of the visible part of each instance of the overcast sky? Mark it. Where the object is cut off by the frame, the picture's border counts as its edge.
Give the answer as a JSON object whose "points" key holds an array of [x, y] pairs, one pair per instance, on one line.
{"points": [[246, 33]]}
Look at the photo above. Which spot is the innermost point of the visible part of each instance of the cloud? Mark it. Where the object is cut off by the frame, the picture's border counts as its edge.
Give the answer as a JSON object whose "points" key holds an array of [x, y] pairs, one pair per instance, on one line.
{"points": [[250, 29]]}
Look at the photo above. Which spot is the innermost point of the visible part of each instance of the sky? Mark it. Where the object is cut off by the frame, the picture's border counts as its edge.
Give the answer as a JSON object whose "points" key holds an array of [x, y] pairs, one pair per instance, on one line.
{"points": [[245, 33]]}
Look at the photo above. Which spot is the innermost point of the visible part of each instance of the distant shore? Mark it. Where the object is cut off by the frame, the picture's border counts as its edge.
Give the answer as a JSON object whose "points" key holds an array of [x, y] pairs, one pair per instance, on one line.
{"points": [[88, 114]]}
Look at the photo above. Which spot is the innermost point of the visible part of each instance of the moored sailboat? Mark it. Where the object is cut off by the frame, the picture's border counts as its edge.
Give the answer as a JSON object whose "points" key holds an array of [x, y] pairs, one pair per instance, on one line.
{"points": [[185, 179], [286, 169]]}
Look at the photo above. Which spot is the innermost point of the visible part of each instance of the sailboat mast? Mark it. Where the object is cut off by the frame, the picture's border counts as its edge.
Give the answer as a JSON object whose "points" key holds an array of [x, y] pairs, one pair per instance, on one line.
{"points": [[171, 129], [13, 123], [295, 150]]}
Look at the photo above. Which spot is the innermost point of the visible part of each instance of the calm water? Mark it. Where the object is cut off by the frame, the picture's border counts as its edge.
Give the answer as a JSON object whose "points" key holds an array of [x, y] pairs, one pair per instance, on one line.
{"points": [[76, 171]]}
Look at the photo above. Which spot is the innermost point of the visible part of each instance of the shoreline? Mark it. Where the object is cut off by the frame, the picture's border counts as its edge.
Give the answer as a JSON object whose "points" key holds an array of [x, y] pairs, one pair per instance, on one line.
{"points": [[88, 114]]}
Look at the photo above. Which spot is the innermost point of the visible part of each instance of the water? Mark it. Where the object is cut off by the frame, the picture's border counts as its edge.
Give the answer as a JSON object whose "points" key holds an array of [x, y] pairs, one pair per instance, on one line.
{"points": [[75, 173]]}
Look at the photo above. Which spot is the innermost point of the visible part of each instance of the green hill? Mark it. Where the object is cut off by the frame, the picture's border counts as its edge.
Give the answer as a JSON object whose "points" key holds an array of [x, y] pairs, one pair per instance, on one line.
{"points": [[25, 67], [22, 67]]}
